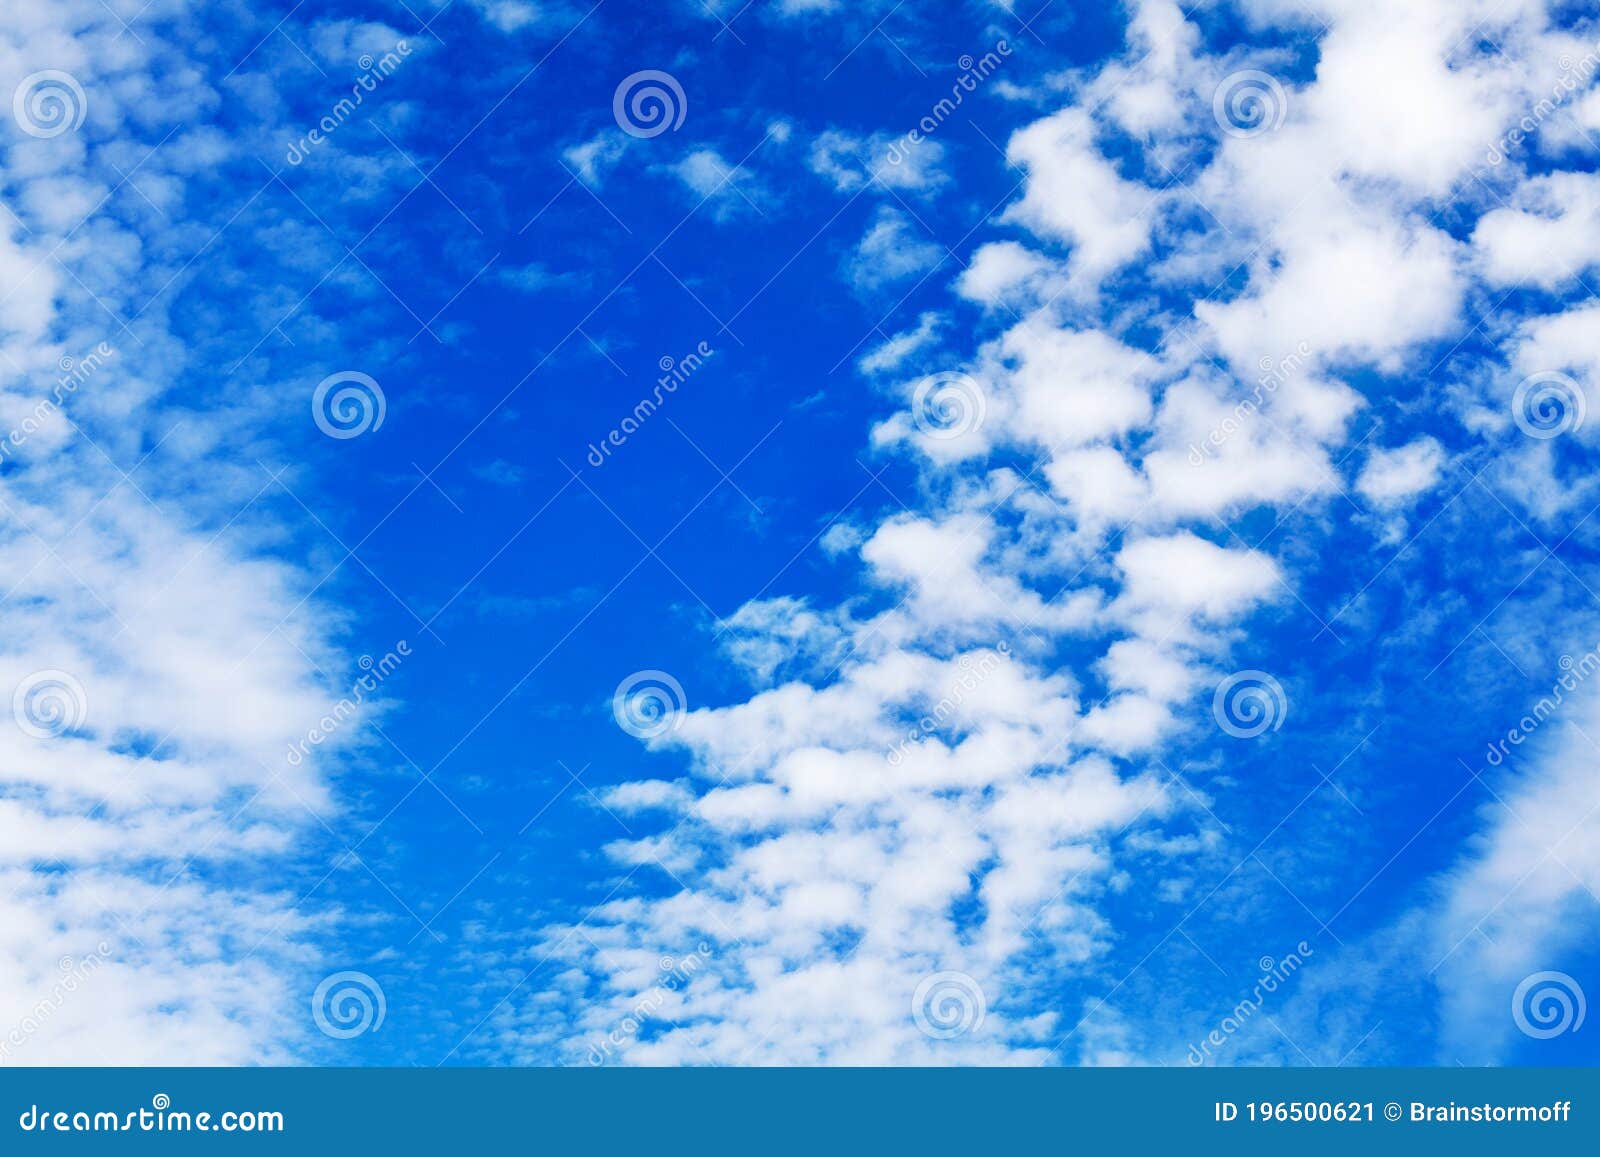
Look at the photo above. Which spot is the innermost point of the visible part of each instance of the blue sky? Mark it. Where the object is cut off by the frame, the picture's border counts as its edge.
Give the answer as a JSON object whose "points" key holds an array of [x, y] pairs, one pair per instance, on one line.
{"points": [[1113, 490]]}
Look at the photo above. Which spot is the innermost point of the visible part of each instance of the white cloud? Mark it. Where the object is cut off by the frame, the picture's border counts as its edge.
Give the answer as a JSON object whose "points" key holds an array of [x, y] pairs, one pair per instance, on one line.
{"points": [[730, 189], [1148, 98], [192, 661], [536, 277], [642, 795], [1060, 387], [1000, 271], [892, 250], [498, 473], [342, 43], [1187, 575], [510, 15], [1550, 235], [1401, 95], [767, 636], [898, 348], [1396, 477], [594, 158], [1521, 900], [1075, 195], [1350, 285], [1099, 484], [850, 162]]}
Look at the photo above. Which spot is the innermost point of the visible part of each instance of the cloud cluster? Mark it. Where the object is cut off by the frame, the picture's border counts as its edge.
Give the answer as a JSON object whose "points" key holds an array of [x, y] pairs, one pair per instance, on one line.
{"points": [[164, 661], [1220, 259]]}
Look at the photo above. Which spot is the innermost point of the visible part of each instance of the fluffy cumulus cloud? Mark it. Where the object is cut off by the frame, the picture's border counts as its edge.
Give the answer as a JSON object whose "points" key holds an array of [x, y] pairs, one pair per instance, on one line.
{"points": [[1397, 476], [1546, 236], [944, 781]]}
